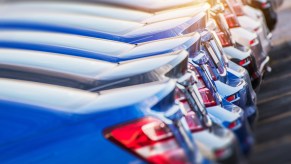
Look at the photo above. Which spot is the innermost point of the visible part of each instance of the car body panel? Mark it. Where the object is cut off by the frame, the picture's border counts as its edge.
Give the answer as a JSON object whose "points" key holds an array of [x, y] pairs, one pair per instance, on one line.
{"points": [[4, 23], [111, 51], [223, 137], [106, 28], [59, 127], [263, 32], [235, 53]]}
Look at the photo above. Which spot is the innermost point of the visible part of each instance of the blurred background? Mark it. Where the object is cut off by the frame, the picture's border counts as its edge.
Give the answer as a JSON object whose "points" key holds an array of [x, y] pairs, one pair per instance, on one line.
{"points": [[273, 132]]}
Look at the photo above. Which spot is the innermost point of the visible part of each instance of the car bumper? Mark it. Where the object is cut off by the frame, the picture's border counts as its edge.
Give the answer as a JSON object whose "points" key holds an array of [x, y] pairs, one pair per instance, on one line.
{"points": [[247, 99], [243, 38], [243, 133], [265, 40], [208, 141], [245, 138]]}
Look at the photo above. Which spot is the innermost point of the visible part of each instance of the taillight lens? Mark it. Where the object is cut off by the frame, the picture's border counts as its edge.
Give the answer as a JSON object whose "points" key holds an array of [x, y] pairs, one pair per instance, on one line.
{"points": [[207, 97], [252, 42], [244, 62], [265, 5], [191, 117], [205, 93], [231, 98], [150, 139], [222, 153], [200, 83], [225, 41], [231, 20], [233, 124], [193, 122]]}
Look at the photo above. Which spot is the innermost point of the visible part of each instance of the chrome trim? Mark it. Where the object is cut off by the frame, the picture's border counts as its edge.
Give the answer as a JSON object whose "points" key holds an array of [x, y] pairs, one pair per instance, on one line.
{"points": [[187, 84], [181, 131], [262, 66]]}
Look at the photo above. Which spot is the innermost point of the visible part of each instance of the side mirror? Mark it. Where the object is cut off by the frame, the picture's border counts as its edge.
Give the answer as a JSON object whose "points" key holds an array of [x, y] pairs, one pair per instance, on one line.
{"points": [[200, 58]]}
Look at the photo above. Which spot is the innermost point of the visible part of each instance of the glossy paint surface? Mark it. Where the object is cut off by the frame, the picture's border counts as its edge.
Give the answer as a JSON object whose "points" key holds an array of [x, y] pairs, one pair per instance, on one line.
{"points": [[57, 129]]}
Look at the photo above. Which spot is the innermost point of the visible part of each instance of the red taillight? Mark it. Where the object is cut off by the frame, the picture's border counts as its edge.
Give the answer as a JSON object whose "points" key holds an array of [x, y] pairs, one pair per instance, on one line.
{"points": [[265, 5], [231, 98], [200, 83], [207, 97], [232, 125], [252, 42], [231, 20], [225, 41], [191, 117], [150, 139], [222, 153], [205, 93], [193, 122], [243, 62]]}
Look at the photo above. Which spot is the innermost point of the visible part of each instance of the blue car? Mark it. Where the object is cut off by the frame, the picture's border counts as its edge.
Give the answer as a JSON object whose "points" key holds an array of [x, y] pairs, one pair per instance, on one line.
{"points": [[200, 65], [146, 15], [59, 43], [53, 124], [220, 73], [95, 75], [146, 18], [133, 32]]}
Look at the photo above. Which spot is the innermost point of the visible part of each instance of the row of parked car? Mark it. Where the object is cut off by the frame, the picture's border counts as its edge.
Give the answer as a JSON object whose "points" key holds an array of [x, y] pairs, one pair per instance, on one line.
{"points": [[125, 81]]}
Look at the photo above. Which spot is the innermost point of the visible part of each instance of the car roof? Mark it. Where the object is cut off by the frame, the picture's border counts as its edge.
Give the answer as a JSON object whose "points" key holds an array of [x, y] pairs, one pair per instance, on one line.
{"points": [[89, 74], [68, 100], [107, 11], [89, 47]]}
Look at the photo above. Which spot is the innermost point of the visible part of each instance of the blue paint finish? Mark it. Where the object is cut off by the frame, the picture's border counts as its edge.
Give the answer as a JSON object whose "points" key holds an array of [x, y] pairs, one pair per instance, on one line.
{"points": [[133, 39], [186, 27], [41, 136], [36, 133], [179, 30], [61, 49]]}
